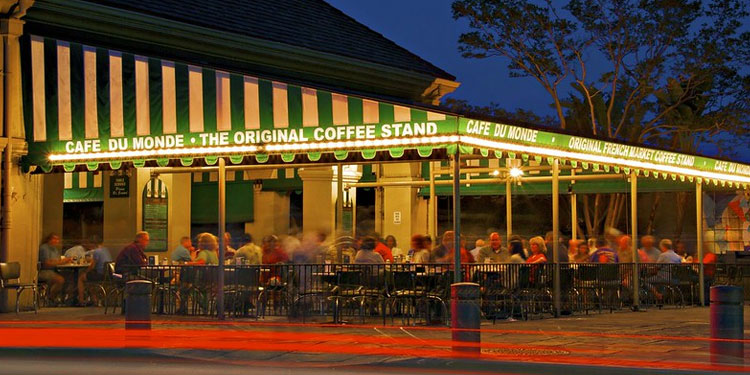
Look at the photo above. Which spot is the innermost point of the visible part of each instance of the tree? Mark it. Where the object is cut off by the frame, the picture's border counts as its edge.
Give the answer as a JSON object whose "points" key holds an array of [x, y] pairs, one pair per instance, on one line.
{"points": [[659, 72]]}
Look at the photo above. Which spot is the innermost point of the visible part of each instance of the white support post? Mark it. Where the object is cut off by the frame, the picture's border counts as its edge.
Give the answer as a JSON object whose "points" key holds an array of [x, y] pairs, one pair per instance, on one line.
{"points": [[432, 211], [634, 238], [508, 208], [573, 209], [457, 278], [556, 234], [222, 243], [699, 241], [338, 226]]}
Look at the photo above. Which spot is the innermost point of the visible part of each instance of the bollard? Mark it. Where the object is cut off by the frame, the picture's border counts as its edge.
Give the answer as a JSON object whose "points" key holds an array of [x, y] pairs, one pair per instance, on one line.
{"points": [[465, 318], [727, 322], [138, 304]]}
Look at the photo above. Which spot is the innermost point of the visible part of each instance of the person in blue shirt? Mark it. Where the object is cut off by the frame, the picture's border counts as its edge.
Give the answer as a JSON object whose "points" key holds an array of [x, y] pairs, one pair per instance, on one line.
{"points": [[181, 253], [98, 259], [49, 259], [667, 253], [603, 253]]}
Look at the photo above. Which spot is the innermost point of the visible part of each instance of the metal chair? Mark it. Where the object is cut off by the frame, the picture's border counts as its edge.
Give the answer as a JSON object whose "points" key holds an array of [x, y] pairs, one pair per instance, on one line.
{"points": [[10, 274]]}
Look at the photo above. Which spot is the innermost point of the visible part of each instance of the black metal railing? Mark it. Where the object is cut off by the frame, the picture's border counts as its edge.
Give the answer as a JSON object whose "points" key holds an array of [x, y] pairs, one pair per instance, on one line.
{"points": [[410, 292]]}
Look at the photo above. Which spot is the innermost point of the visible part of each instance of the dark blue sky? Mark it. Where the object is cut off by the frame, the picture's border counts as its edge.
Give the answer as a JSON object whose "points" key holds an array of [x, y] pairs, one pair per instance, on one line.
{"points": [[426, 28]]}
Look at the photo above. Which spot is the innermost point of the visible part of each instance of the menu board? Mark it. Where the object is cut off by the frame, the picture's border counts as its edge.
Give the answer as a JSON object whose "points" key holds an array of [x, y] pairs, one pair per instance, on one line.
{"points": [[155, 214], [119, 186]]}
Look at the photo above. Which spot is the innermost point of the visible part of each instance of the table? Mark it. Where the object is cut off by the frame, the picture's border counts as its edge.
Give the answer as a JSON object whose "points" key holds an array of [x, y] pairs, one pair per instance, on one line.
{"points": [[75, 268]]}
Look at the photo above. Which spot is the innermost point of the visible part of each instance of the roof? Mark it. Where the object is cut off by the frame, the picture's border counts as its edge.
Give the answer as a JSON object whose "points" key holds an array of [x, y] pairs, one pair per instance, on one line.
{"points": [[312, 24]]}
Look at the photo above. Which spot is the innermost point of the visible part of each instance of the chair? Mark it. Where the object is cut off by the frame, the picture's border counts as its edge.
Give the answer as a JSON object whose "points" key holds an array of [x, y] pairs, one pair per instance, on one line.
{"points": [[401, 290], [114, 286], [10, 273], [348, 288]]}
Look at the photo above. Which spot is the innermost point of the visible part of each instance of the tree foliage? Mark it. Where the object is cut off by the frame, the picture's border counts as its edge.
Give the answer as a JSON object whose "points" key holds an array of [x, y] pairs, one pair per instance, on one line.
{"points": [[670, 72]]}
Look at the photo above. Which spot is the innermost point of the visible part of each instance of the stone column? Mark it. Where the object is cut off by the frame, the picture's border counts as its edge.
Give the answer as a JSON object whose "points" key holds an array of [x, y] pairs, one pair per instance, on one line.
{"points": [[318, 199], [119, 214], [400, 203], [21, 193]]}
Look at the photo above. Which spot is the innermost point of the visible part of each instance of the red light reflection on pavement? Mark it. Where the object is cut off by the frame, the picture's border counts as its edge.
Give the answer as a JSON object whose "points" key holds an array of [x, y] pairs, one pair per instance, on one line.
{"points": [[169, 335]]}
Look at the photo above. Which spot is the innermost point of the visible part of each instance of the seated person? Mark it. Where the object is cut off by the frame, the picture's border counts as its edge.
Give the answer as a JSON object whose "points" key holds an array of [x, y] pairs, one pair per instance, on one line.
{"points": [[229, 251], [272, 251], [99, 257], [249, 252], [517, 253], [582, 254], [421, 254], [49, 259], [667, 254], [77, 252], [367, 254], [494, 252], [132, 255], [208, 246], [182, 253], [603, 253], [538, 248]]}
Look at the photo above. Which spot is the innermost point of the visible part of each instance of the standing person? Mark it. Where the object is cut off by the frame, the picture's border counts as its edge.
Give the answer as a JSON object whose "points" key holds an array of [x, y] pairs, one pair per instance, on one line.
{"points": [[650, 252], [538, 248], [49, 259], [133, 254], [421, 251], [182, 253], [249, 252], [208, 245], [367, 253], [390, 242], [603, 253], [494, 252], [99, 258]]}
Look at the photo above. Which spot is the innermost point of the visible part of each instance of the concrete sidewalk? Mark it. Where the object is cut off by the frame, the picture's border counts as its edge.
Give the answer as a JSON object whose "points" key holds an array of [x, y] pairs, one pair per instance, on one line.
{"points": [[661, 340]]}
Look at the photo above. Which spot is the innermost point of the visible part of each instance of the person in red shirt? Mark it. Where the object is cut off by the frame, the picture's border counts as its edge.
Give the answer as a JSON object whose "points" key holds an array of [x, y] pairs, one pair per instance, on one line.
{"points": [[133, 254], [538, 249], [383, 250], [466, 256], [272, 251]]}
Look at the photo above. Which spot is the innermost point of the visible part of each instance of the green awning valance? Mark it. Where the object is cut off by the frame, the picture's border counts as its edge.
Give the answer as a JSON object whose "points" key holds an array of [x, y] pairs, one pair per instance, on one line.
{"points": [[204, 199], [83, 187]]}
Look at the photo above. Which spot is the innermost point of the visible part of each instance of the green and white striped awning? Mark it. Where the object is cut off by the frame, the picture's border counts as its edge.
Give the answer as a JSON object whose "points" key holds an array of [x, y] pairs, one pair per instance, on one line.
{"points": [[86, 106], [83, 187]]}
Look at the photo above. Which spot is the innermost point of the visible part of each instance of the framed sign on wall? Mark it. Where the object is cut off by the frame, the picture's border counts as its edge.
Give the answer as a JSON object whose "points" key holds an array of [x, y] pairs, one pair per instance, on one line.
{"points": [[155, 214]]}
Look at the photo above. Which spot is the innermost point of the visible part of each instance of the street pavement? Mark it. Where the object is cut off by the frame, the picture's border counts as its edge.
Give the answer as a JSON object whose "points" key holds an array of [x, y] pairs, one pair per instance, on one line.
{"points": [[664, 341]]}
